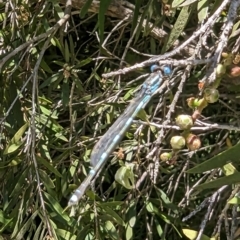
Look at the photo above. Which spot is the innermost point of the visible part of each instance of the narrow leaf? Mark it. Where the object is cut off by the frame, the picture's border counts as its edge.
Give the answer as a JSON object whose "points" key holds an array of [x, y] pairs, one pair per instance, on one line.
{"points": [[57, 208], [26, 226], [48, 166], [111, 230], [112, 214], [187, 3], [228, 180], [192, 234], [159, 228], [234, 201], [125, 177], [178, 27], [101, 17], [131, 214], [66, 52], [176, 3], [16, 142], [129, 233], [65, 93], [135, 15], [230, 155], [45, 67], [202, 10], [85, 8]]}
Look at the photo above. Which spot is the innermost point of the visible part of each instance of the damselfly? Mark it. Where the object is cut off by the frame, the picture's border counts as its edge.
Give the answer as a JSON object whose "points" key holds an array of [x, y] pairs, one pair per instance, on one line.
{"points": [[115, 133]]}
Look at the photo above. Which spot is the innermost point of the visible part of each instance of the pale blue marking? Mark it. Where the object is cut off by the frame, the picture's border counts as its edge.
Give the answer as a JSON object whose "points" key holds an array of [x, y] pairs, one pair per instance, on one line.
{"points": [[129, 121], [104, 155], [116, 138]]}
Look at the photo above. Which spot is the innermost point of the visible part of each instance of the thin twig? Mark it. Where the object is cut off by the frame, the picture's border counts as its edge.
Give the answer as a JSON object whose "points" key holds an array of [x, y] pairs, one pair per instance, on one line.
{"points": [[223, 40], [170, 62]]}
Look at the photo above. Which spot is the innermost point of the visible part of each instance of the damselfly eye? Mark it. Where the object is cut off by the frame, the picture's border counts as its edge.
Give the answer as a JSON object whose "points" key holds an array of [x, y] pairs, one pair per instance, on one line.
{"points": [[167, 70], [154, 68]]}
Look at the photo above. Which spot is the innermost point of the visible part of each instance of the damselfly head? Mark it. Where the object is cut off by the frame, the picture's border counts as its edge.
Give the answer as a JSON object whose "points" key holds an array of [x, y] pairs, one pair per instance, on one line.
{"points": [[165, 69]]}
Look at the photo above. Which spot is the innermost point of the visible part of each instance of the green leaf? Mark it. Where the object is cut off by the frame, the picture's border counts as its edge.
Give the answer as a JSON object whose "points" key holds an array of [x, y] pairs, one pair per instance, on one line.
{"points": [[59, 10], [129, 94], [46, 111], [129, 232], [178, 27], [101, 17], [12, 162], [49, 123], [151, 208], [112, 214], [158, 227], [25, 227], [2, 17], [135, 15], [229, 169], [202, 7], [44, 101], [45, 67], [48, 166], [47, 181], [60, 135], [83, 62], [66, 235], [57, 208], [66, 52], [230, 155], [228, 180], [84, 231], [65, 93], [5, 222], [78, 84], [20, 183], [12, 148], [192, 234], [176, 3], [111, 230], [59, 63], [165, 200], [125, 177], [131, 214], [16, 142], [234, 29], [153, 46], [182, 3], [140, 22], [38, 232], [85, 8], [72, 49], [53, 79], [142, 115], [234, 201], [56, 42]]}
